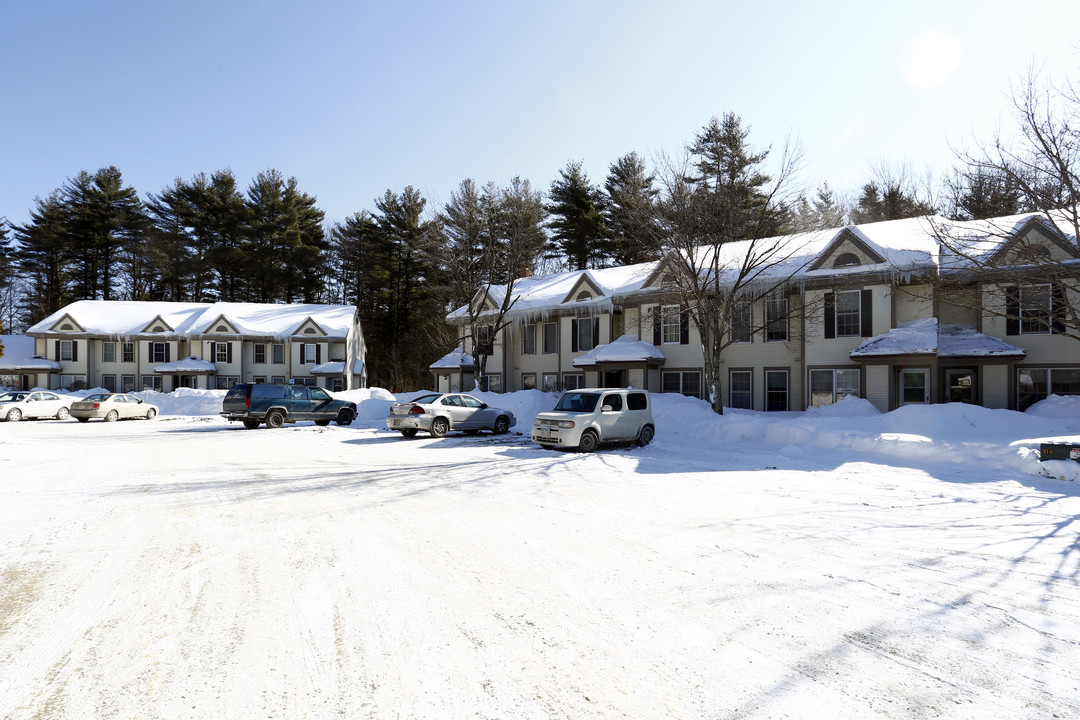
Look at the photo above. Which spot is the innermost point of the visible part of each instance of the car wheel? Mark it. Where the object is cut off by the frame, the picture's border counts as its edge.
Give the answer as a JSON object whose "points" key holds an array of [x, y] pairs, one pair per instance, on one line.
{"points": [[588, 441], [645, 436], [83, 419], [14, 415], [411, 432], [62, 413], [502, 425], [439, 427], [345, 416], [251, 424], [151, 413], [322, 423], [112, 416], [274, 419]]}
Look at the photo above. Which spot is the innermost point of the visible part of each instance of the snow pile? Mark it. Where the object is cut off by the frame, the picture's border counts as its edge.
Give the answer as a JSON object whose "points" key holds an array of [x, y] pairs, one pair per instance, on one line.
{"points": [[372, 404]]}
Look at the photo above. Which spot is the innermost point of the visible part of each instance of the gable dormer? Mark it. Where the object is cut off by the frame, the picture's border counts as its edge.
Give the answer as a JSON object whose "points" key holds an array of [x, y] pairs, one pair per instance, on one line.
{"points": [[482, 302], [847, 250], [1034, 242], [309, 328], [583, 290], [157, 325], [66, 324], [221, 326]]}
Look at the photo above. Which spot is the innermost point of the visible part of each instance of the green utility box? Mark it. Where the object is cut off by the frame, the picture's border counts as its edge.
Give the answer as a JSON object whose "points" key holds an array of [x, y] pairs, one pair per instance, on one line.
{"points": [[1059, 451]]}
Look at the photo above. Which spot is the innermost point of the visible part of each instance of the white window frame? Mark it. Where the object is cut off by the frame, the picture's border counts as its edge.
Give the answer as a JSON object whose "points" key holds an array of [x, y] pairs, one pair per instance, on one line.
{"points": [[670, 324], [258, 349], [776, 318], [748, 393], [158, 357], [528, 339], [769, 392], [742, 322], [108, 353], [554, 346], [221, 352], [585, 337], [549, 382], [307, 353], [571, 381], [127, 355], [277, 356], [67, 351], [683, 376], [1035, 316], [848, 314], [836, 393]]}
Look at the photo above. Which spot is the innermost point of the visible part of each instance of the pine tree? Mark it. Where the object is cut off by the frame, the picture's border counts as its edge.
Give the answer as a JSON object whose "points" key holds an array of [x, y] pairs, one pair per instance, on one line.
{"points": [[980, 193], [7, 277], [631, 213], [579, 231], [42, 258], [823, 212]]}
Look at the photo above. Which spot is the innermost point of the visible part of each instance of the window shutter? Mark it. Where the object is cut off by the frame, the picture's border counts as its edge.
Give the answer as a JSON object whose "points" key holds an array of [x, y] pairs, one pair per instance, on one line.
{"points": [[656, 339], [150, 352], [213, 352], [866, 313], [1012, 310], [1057, 308], [228, 353], [168, 354], [318, 354], [57, 351], [573, 336], [830, 315], [684, 326], [74, 351], [595, 331]]}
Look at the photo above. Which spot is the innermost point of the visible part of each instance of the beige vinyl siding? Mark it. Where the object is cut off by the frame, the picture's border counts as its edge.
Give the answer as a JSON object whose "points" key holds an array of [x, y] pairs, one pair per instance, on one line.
{"points": [[877, 386], [821, 351], [913, 302], [995, 386]]}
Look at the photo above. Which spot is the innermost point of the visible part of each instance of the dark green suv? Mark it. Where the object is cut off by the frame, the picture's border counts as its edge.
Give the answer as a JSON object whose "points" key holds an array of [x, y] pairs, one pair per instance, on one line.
{"points": [[274, 404]]}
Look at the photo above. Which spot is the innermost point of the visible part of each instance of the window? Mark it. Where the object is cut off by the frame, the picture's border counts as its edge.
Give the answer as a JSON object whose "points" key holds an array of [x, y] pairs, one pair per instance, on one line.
{"points": [[742, 389], [278, 379], [847, 313], [585, 334], [549, 382], [583, 295], [260, 353], [776, 319], [528, 339], [829, 386], [67, 350], [613, 401], [278, 354], [157, 355], [337, 384], [485, 339], [1035, 309], [73, 382], [224, 382], [127, 382], [221, 352], [776, 390], [670, 325], [309, 353], [741, 322], [846, 260], [636, 401], [259, 380], [300, 381], [108, 355], [319, 394], [491, 383], [109, 382], [152, 382], [528, 381], [687, 383], [127, 354], [571, 381], [551, 338], [1035, 384]]}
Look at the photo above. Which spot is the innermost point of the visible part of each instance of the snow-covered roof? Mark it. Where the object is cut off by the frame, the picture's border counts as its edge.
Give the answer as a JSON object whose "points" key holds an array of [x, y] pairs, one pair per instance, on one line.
{"points": [[626, 349], [329, 368], [927, 337], [116, 318], [18, 356], [187, 365], [453, 360]]}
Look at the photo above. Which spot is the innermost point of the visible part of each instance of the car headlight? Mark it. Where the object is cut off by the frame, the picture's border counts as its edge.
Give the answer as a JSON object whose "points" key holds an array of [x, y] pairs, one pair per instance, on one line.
{"points": [[565, 423], [536, 423]]}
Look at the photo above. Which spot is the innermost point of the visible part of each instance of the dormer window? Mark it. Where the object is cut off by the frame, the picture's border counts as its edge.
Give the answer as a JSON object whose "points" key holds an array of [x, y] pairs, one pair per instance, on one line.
{"points": [[583, 295], [847, 259]]}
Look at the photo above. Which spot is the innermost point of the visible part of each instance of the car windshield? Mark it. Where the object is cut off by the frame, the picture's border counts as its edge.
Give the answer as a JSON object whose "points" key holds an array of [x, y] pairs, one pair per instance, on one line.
{"points": [[12, 397], [577, 402], [426, 399], [96, 398]]}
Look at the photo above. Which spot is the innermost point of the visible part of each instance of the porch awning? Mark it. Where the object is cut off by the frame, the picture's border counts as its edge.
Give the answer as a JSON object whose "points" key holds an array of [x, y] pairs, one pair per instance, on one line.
{"points": [[329, 368], [454, 360], [627, 350], [18, 357], [188, 366], [927, 337]]}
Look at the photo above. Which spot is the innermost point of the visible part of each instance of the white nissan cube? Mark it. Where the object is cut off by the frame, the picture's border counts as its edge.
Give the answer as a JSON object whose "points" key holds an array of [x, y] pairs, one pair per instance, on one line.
{"points": [[585, 418]]}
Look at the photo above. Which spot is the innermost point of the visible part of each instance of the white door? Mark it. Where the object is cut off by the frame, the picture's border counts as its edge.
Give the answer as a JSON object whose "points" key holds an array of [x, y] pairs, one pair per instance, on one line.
{"points": [[914, 387]]}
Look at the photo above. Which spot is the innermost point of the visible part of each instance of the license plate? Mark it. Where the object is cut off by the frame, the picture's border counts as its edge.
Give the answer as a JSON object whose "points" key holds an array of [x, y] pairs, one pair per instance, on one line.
{"points": [[395, 423]]}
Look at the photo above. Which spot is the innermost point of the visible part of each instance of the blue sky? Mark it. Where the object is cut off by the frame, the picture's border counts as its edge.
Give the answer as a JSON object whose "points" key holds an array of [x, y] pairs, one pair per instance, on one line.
{"points": [[354, 98]]}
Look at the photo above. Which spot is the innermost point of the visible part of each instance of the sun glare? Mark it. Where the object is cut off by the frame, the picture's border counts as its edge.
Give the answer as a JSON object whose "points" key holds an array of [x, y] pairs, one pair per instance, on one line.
{"points": [[930, 58]]}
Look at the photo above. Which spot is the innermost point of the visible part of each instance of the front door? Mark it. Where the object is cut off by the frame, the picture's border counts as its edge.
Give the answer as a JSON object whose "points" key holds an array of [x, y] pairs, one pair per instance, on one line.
{"points": [[960, 386], [914, 387], [614, 378]]}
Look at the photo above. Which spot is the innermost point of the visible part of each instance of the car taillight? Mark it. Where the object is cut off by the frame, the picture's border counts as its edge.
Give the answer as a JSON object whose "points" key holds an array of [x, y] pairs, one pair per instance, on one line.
{"points": [[97, 405], [247, 402], [416, 410]]}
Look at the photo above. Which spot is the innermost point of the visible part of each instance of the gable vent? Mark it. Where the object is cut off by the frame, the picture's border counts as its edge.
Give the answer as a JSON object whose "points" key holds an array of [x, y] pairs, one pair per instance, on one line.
{"points": [[583, 295], [847, 260], [309, 331], [221, 328], [158, 328], [66, 326]]}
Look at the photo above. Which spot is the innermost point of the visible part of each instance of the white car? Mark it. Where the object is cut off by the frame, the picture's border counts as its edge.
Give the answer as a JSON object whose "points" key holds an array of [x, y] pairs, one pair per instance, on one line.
{"points": [[439, 413], [15, 406], [111, 407], [585, 418]]}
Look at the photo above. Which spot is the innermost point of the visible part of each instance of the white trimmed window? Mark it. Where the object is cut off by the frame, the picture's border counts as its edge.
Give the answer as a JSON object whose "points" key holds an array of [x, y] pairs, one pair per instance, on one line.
{"points": [[670, 324], [829, 386]]}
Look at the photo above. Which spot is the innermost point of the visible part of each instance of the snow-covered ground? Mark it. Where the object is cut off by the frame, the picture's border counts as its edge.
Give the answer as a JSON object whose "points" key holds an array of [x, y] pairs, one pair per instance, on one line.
{"points": [[838, 563]]}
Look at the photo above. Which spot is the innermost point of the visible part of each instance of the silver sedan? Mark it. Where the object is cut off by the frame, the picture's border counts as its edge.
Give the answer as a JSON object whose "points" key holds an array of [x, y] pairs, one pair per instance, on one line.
{"points": [[111, 407], [439, 413], [15, 406]]}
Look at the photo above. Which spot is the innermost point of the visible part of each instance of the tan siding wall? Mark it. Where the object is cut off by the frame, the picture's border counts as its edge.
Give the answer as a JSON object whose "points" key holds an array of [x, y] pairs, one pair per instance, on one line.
{"points": [[913, 302], [995, 386], [877, 386]]}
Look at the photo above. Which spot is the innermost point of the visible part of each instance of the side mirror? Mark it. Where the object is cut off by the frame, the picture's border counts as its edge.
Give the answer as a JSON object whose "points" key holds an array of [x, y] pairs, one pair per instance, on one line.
{"points": [[483, 406], [606, 408]]}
